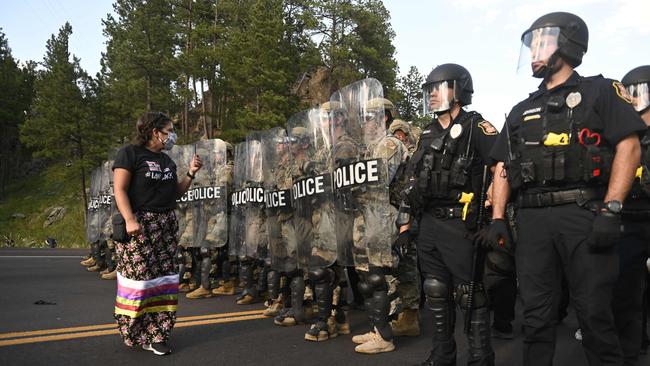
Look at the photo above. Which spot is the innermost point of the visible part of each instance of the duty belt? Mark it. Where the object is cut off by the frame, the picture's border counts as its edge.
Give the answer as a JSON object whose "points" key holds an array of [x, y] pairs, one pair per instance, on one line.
{"points": [[447, 212], [579, 196]]}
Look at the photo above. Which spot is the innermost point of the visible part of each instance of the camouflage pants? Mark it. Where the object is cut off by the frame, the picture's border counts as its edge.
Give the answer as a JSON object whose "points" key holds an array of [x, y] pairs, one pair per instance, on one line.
{"points": [[408, 279]]}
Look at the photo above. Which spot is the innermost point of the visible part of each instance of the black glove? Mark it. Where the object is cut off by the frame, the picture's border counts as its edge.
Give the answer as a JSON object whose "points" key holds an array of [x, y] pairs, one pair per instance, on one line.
{"points": [[495, 236], [400, 245], [605, 231]]}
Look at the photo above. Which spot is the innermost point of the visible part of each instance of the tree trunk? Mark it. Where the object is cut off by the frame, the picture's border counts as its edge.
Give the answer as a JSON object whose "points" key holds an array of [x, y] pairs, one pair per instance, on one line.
{"points": [[208, 133]]}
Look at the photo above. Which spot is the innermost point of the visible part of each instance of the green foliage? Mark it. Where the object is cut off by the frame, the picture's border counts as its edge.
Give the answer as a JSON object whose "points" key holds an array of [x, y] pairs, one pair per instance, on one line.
{"points": [[32, 197], [16, 92], [356, 41], [410, 106]]}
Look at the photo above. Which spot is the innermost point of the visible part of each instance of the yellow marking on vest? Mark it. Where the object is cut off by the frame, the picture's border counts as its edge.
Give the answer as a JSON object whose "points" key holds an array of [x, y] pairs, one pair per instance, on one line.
{"points": [[532, 116], [466, 199], [639, 172], [554, 139]]}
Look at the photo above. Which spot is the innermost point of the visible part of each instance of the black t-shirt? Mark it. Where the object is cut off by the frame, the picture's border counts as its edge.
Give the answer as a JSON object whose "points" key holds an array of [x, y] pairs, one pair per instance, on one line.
{"points": [[605, 101], [153, 183]]}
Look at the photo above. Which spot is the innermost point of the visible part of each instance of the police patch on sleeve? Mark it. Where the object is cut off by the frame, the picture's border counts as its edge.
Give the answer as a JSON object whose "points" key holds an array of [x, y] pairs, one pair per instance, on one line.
{"points": [[487, 128], [622, 92]]}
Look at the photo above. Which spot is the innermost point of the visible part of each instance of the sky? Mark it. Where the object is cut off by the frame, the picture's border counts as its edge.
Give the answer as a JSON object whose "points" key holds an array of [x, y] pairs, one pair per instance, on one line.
{"points": [[482, 35]]}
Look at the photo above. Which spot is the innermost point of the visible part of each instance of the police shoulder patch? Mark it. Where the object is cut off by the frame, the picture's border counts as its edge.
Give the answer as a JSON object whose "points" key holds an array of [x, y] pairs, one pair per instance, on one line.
{"points": [[622, 92], [487, 128]]}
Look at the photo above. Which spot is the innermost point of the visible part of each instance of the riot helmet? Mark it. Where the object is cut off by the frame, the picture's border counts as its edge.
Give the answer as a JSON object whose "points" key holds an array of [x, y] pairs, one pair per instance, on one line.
{"points": [[637, 84], [553, 35], [447, 84]]}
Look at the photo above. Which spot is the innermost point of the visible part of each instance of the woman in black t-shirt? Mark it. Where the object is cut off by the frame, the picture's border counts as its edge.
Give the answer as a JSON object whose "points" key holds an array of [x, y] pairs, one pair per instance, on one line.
{"points": [[146, 188]]}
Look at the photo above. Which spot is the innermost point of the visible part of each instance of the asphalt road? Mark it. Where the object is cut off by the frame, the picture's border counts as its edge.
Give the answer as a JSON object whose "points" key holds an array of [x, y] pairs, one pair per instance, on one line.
{"points": [[53, 312]]}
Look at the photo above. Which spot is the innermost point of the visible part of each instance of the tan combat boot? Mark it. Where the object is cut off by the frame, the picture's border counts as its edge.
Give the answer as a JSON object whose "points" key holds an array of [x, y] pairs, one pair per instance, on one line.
{"points": [[246, 300], [341, 328], [376, 344], [94, 268], [407, 323], [362, 338], [227, 288], [88, 262], [183, 287], [110, 275], [199, 293], [274, 308], [285, 318]]}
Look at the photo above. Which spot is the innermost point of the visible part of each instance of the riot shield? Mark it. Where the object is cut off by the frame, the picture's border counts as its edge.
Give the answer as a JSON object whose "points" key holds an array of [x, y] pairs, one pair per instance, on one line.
{"points": [[93, 226], [106, 200], [182, 156], [362, 182], [208, 196], [238, 203], [277, 190], [314, 213], [255, 238]]}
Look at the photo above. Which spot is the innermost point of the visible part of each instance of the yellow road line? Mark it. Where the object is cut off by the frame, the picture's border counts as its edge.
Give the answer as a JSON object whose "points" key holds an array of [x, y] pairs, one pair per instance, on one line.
{"points": [[62, 337], [113, 325]]}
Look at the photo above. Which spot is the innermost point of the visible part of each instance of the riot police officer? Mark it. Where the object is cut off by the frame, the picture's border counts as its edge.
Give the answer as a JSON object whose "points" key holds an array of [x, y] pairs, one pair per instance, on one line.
{"points": [[633, 247], [568, 155], [451, 154]]}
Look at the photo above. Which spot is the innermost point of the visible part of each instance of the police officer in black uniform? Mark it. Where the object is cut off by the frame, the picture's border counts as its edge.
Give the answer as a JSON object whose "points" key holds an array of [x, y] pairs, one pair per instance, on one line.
{"points": [[567, 154], [446, 169], [633, 247]]}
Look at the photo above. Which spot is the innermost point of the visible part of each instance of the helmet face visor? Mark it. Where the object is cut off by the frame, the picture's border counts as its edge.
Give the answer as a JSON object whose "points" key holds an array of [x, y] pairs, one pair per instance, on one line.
{"points": [[537, 46], [640, 94], [437, 96]]}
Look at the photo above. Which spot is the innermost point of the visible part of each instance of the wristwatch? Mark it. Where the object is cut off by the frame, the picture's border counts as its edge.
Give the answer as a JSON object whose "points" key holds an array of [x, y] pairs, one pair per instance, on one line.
{"points": [[614, 206], [190, 175]]}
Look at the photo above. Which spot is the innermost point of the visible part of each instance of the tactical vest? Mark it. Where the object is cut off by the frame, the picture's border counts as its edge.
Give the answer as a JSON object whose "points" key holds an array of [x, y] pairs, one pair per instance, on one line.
{"points": [[442, 164], [641, 187], [547, 152]]}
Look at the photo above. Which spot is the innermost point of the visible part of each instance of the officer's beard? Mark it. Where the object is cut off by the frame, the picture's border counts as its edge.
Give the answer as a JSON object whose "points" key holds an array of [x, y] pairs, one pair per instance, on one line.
{"points": [[552, 66]]}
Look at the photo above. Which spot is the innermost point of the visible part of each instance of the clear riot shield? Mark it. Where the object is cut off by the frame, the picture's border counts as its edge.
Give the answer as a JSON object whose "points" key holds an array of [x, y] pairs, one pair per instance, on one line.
{"points": [[282, 246], [106, 200], [208, 196], [93, 226], [255, 237], [182, 156], [313, 198], [238, 203], [362, 183]]}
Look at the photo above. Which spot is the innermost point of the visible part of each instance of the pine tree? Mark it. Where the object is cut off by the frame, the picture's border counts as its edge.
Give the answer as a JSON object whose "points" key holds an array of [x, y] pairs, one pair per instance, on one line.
{"points": [[410, 86], [16, 92], [61, 126]]}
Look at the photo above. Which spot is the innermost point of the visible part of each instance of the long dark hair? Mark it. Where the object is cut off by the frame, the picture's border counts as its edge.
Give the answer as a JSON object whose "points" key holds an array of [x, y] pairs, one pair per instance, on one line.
{"points": [[146, 124]]}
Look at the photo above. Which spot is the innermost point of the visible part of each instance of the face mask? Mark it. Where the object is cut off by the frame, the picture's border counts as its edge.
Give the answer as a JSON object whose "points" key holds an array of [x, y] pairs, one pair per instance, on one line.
{"points": [[169, 142]]}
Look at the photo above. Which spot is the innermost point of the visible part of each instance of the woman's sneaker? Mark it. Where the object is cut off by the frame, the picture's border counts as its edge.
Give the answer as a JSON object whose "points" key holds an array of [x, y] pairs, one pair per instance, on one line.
{"points": [[159, 349]]}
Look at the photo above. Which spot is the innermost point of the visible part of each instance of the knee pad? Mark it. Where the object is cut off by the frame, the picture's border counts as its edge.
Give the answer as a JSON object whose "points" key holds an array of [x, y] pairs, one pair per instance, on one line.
{"points": [[500, 262], [365, 289], [462, 295], [321, 275], [435, 288], [204, 252], [377, 282]]}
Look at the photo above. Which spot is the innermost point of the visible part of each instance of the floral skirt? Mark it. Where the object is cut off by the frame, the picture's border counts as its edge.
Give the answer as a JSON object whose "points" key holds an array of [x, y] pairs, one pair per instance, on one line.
{"points": [[147, 280]]}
